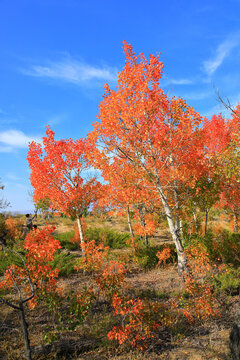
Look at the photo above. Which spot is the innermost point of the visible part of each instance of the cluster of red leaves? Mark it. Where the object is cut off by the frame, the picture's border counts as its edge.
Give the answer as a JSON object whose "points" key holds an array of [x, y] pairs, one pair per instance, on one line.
{"points": [[94, 257], [163, 256], [133, 243], [40, 246], [148, 229], [111, 278], [201, 303], [84, 300], [137, 322]]}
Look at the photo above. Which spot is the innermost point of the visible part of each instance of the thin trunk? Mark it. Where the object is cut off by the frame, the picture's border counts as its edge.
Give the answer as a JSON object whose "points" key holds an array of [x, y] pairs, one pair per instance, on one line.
{"points": [[181, 228], [195, 220], [81, 234], [206, 221], [25, 333], [235, 219], [177, 227], [129, 222], [190, 228], [144, 225], [182, 261]]}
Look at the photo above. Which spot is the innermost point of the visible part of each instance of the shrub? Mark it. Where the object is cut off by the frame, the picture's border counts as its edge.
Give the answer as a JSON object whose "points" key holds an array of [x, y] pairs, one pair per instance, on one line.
{"points": [[137, 321], [223, 246], [67, 310], [94, 257], [65, 241], [198, 300], [3, 227], [40, 248], [111, 278], [163, 256], [65, 263], [111, 238], [108, 237], [11, 230], [229, 248], [7, 259], [228, 281], [147, 257]]}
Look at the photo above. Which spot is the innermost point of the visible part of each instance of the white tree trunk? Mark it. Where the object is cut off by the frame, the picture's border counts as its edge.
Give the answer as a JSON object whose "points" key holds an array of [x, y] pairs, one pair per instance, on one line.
{"points": [[182, 261], [81, 234], [129, 222], [181, 228], [195, 220]]}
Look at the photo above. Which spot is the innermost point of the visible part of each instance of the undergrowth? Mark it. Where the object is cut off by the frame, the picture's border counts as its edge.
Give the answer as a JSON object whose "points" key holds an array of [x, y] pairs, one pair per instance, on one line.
{"points": [[64, 262], [147, 258]]}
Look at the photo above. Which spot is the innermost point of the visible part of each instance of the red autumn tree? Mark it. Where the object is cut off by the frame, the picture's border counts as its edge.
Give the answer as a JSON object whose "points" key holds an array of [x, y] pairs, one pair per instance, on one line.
{"points": [[158, 136], [230, 200], [58, 172], [224, 158]]}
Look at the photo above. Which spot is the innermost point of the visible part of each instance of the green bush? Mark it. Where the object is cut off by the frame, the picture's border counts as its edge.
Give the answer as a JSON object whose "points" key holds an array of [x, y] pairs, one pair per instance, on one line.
{"points": [[229, 248], [146, 257], [228, 281], [209, 241], [111, 238], [3, 228], [65, 241], [222, 247], [65, 263]]}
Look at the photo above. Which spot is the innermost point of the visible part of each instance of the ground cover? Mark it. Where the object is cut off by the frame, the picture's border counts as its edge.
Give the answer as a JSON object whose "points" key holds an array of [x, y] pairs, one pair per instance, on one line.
{"points": [[156, 287]]}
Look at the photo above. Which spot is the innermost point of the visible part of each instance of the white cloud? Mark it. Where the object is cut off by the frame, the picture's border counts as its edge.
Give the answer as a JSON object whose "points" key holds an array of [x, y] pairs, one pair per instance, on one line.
{"points": [[12, 139], [180, 81], [6, 149], [72, 71], [167, 81], [201, 95], [13, 177], [55, 120], [222, 51]]}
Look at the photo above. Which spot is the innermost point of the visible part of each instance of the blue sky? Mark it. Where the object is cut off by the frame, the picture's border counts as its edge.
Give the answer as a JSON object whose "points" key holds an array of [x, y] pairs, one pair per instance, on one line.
{"points": [[56, 55]]}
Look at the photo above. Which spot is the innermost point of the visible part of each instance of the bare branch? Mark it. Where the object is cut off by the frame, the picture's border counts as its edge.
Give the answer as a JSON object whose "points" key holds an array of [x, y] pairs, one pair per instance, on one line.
{"points": [[227, 104]]}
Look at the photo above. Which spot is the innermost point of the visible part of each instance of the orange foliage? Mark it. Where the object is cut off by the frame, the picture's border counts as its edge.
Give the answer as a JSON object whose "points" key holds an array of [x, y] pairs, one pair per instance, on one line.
{"points": [[202, 302], [163, 256], [95, 255], [56, 174], [40, 246], [15, 228], [137, 324], [150, 226], [112, 278]]}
